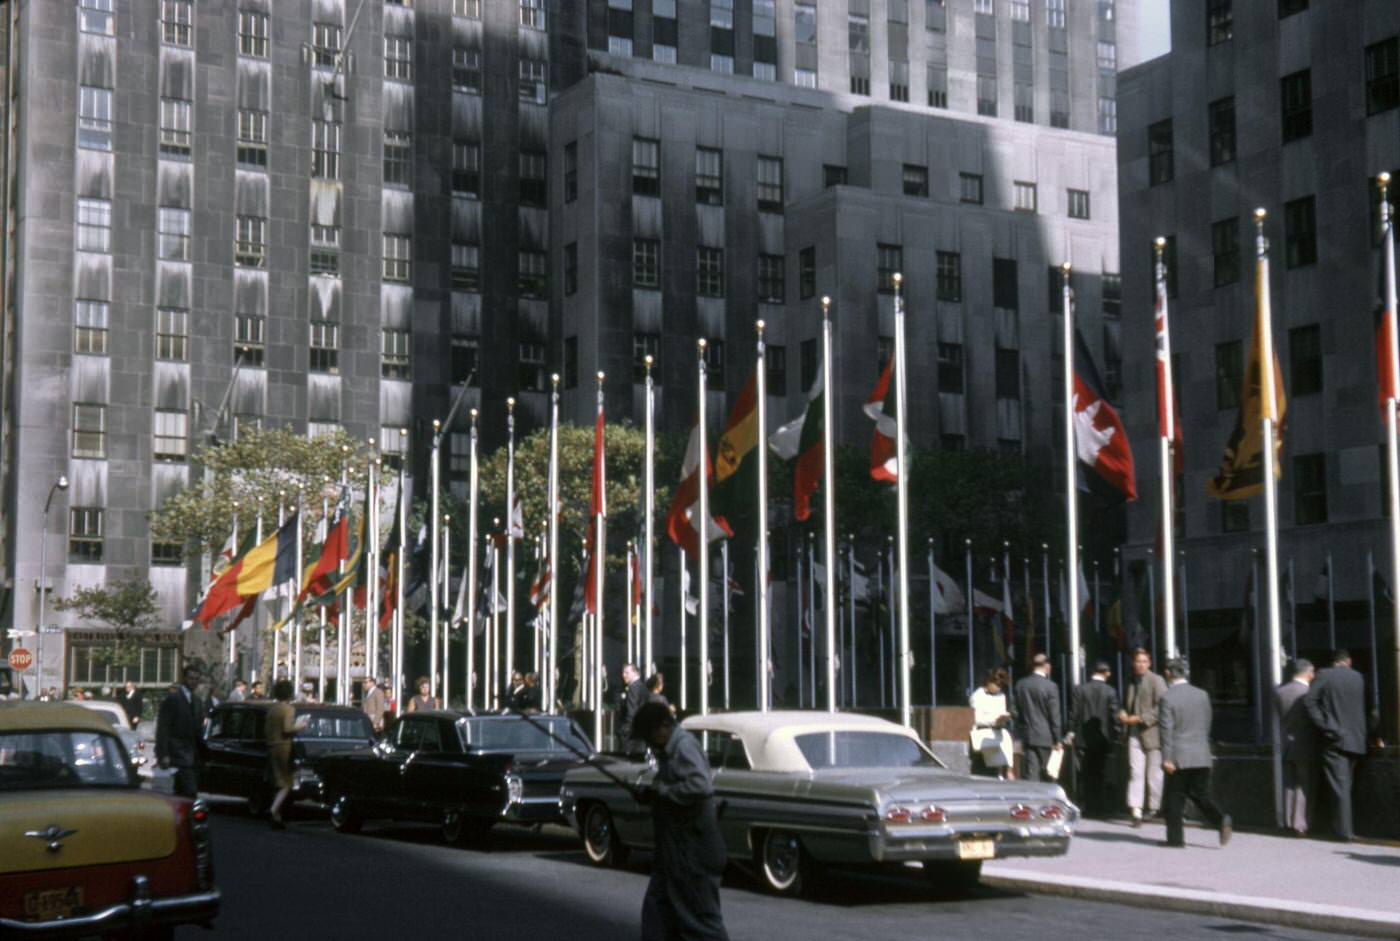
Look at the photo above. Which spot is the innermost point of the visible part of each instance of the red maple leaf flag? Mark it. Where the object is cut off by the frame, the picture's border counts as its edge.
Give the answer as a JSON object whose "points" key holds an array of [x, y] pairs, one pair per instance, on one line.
{"points": [[1101, 442]]}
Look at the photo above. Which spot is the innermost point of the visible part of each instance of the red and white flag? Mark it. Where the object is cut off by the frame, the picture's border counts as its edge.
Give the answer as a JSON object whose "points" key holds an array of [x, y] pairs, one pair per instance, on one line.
{"points": [[1101, 442], [540, 589], [881, 407], [1168, 414], [1387, 367], [683, 523]]}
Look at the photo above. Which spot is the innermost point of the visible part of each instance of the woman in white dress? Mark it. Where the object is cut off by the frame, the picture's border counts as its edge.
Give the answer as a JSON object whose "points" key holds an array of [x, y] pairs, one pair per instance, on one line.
{"points": [[991, 720]]}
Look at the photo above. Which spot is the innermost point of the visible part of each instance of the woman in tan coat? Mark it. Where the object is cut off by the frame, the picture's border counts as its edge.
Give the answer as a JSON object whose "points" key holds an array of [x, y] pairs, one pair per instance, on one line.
{"points": [[280, 726]]}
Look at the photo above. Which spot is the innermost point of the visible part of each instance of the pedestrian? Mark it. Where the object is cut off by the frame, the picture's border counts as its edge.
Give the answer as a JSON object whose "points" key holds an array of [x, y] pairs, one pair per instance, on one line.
{"points": [[992, 747], [374, 704], [239, 693], [532, 700], [1038, 716], [1300, 748], [656, 691], [1139, 721], [132, 702], [1336, 704], [1093, 732], [279, 726], [308, 691], [515, 695], [258, 690], [682, 898], [634, 696], [178, 726], [424, 700], [1184, 718]]}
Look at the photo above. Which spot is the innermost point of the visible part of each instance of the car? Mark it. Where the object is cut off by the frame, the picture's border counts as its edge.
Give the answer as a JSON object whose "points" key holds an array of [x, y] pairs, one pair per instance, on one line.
{"points": [[798, 792], [135, 745], [465, 773], [235, 749], [87, 851]]}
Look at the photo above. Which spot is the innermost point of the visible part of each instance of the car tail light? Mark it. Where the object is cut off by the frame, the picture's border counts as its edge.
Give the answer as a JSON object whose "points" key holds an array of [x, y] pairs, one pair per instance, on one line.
{"points": [[1020, 812], [933, 814], [141, 746], [203, 846], [898, 815], [1052, 812]]}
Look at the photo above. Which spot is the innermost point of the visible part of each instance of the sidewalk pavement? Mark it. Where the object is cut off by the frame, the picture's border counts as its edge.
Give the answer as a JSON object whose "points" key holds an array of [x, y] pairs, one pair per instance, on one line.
{"points": [[1307, 884]]}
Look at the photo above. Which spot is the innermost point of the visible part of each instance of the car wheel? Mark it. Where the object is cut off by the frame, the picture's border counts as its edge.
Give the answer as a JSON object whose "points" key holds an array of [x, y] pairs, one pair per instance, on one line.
{"points": [[783, 864], [462, 830], [600, 840], [344, 817], [952, 879]]}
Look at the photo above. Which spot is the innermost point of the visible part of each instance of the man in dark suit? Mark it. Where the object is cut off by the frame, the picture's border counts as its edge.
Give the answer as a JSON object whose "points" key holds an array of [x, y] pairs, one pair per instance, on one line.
{"points": [[1336, 704], [179, 725], [515, 696], [132, 702], [1093, 731], [634, 696], [1300, 748], [1038, 716], [1184, 718]]}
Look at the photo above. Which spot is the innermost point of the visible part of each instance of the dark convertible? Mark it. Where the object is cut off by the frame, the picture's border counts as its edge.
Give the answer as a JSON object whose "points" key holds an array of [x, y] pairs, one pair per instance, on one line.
{"points": [[464, 773]]}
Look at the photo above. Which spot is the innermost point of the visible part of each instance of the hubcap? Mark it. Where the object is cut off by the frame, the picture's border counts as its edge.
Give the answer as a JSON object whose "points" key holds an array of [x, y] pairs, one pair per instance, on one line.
{"points": [[599, 832], [339, 812], [781, 857]]}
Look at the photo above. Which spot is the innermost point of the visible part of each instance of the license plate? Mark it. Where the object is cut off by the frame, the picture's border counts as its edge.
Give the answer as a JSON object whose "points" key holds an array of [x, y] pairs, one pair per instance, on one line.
{"points": [[53, 904], [977, 849]]}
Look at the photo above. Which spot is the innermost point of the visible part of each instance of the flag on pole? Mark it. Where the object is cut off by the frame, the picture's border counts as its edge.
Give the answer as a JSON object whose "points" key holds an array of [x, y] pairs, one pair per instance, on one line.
{"points": [[1168, 411], [634, 565], [335, 549], [881, 407], [948, 597], [269, 563], [1007, 643], [542, 585], [517, 519], [1101, 441], [734, 488], [389, 570], [682, 523], [801, 440]]}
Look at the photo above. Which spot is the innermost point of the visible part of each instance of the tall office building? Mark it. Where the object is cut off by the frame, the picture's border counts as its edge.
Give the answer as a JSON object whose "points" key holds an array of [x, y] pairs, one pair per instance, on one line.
{"points": [[333, 211], [1293, 107]]}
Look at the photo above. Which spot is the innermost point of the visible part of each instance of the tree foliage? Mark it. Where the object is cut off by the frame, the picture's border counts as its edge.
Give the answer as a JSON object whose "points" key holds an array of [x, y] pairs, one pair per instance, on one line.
{"points": [[129, 606]]}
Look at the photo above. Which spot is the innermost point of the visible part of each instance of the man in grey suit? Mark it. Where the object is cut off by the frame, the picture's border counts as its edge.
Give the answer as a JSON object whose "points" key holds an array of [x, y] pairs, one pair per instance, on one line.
{"points": [[1184, 717], [1299, 741], [1336, 704], [1139, 721], [1038, 714]]}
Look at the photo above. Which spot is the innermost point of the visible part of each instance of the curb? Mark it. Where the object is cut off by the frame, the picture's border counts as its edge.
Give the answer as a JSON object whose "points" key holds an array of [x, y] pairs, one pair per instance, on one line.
{"points": [[1303, 915]]}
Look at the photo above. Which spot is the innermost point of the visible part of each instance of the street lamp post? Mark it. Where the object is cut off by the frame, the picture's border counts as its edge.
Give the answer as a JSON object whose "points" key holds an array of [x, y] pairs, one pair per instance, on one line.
{"points": [[60, 484]]}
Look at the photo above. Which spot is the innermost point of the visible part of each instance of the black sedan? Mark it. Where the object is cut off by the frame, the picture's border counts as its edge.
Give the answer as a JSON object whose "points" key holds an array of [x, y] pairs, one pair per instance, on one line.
{"points": [[235, 748], [464, 773]]}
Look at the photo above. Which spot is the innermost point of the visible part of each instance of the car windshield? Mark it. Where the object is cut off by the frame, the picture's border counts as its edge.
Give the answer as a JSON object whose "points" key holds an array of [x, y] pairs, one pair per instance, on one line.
{"points": [[855, 749], [54, 759], [336, 726], [515, 734]]}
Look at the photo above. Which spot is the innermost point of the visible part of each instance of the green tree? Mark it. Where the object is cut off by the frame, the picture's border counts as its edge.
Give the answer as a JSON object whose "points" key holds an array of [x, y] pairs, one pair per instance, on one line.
{"points": [[129, 606]]}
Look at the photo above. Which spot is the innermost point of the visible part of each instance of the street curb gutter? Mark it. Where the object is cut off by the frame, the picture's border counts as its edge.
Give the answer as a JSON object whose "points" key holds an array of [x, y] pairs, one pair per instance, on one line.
{"points": [[1303, 915]]}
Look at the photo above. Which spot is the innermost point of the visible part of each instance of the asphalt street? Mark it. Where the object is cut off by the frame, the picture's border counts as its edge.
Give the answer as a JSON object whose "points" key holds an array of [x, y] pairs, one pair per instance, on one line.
{"points": [[309, 882]]}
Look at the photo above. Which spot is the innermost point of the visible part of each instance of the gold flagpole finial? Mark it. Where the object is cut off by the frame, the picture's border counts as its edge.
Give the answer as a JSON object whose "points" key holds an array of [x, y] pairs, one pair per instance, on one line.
{"points": [[554, 381], [1065, 268], [601, 376], [826, 307], [898, 280], [1159, 245], [758, 326]]}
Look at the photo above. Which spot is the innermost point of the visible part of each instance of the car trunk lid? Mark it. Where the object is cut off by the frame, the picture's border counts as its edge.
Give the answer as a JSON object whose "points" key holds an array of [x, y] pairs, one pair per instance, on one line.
{"points": [[90, 827]]}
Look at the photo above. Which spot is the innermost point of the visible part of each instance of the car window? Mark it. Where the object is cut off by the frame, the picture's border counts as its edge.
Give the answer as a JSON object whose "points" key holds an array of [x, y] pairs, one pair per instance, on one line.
{"points": [[336, 726], [736, 757], [517, 734], [54, 759], [431, 733], [861, 749], [408, 735]]}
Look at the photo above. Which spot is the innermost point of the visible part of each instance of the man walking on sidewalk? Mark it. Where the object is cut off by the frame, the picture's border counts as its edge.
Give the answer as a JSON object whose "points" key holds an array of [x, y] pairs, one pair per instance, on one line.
{"points": [[1300, 768], [1093, 730], [1336, 704], [1038, 713], [1185, 717], [1139, 720]]}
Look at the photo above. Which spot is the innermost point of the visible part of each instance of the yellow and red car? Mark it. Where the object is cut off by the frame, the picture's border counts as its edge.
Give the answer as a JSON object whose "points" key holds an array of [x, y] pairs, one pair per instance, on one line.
{"points": [[83, 850]]}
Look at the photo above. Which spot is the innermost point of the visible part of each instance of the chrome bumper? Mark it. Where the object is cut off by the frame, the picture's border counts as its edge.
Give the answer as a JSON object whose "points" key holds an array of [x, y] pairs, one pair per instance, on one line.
{"points": [[533, 810], [137, 913], [941, 843]]}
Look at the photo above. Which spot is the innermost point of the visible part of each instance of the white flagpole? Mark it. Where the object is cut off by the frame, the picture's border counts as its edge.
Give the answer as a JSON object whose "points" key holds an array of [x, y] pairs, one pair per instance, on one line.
{"points": [[510, 540], [343, 640], [277, 634], [255, 649], [600, 549], [631, 611], [648, 505], [371, 551], [434, 481], [401, 564], [703, 527], [972, 683], [1076, 653], [1392, 445], [906, 653], [764, 623], [493, 637], [685, 673], [724, 561], [447, 621], [829, 509], [1166, 429], [474, 487], [321, 612], [551, 678], [233, 634]]}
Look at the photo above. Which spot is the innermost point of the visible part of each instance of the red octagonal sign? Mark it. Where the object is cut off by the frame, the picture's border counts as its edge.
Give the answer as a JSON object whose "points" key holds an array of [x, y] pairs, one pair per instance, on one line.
{"points": [[21, 659]]}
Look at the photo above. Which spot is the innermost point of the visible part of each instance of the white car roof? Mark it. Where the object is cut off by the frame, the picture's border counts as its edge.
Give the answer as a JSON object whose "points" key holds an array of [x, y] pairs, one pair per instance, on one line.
{"points": [[770, 737], [111, 708]]}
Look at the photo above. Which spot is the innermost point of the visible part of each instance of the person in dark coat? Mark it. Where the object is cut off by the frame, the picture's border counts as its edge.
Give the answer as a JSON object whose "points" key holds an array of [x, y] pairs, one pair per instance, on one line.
{"points": [[1300, 747], [132, 701], [1336, 704], [1038, 716], [1184, 718], [656, 691], [1094, 729], [533, 698], [634, 696], [179, 725], [682, 898]]}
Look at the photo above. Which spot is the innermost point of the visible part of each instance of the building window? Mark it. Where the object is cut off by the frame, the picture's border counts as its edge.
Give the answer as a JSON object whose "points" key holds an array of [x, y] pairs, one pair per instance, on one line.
{"points": [[915, 180], [1222, 131], [646, 167], [804, 78], [1108, 116], [94, 225], [466, 267], [532, 14], [950, 368], [1287, 8], [1229, 371], [807, 365], [889, 261], [325, 44], [398, 58], [1299, 232], [970, 188], [1220, 21], [398, 257], [471, 9], [646, 264], [173, 234], [1296, 94], [571, 269], [90, 327], [325, 150], [620, 46], [466, 169], [1159, 152], [1054, 14], [949, 277], [709, 176], [1079, 204], [174, 127], [89, 430], [534, 179], [570, 171], [250, 339], [167, 553], [532, 273], [173, 334], [1309, 489], [804, 16], [95, 118], [325, 250], [464, 359], [1006, 284], [252, 34], [170, 432], [807, 272], [176, 22], [987, 95], [250, 242], [722, 64], [1305, 360], [95, 16], [398, 158], [325, 347], [709, 271], [1112, 289], [1383, 76], [1023, 103], [899, 81], [1023, 196], [833, 176], [714, 365], [466, 70], [772, 284], [534, 374], [775, 369], [534, 84], [252, 139], [1225, 245], [395, 347], [770, 184], [663, 53], [937, 86], [571, 362], [644, 345], [85, 524]]}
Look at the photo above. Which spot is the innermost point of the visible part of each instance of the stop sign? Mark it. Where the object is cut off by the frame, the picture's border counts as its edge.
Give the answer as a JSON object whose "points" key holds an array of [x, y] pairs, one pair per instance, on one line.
{"points": [[21, 659]]}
